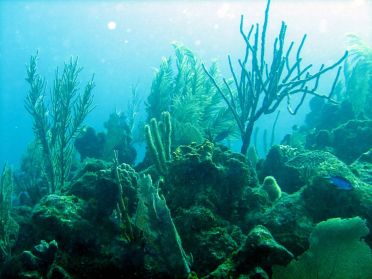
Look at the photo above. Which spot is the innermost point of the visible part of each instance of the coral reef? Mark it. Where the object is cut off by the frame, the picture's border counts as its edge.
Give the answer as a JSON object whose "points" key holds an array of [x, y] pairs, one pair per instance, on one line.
{"points": [[212, 176], [256, 256], [193, 208], [207, 214], [37, 263], [118, 138], [336, 251], [209, 189]]}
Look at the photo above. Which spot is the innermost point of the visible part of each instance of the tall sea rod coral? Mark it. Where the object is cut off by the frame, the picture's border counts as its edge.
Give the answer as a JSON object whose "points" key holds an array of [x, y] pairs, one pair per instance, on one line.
{"points": [[56, 126], [262, 86]]}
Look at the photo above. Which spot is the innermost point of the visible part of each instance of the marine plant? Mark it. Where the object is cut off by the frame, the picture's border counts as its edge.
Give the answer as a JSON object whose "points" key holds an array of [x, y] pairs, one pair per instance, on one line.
{"points": [[8, 226], [187, 93], [261, 86], [55, 126]]}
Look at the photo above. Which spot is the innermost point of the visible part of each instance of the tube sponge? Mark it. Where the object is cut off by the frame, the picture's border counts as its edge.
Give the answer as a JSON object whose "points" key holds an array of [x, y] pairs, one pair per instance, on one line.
{"points": [[167, 134]]}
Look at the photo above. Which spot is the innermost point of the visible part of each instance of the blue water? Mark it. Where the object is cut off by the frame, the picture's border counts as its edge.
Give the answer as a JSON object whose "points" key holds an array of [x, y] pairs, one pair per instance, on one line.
{"points": [[123, 42]]}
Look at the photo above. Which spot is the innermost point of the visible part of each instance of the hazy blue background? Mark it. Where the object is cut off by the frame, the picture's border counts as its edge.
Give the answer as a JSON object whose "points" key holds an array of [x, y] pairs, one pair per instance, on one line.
{"points": [[127, 55]]}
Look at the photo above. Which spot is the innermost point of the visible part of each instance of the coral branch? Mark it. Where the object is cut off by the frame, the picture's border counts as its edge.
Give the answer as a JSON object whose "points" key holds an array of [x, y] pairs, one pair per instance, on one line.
{"points": [[261, 87], [56, 127]]}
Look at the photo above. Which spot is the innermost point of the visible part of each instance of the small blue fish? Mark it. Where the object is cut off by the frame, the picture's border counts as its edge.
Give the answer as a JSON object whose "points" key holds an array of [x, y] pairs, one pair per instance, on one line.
{"points": [[339, 182]]}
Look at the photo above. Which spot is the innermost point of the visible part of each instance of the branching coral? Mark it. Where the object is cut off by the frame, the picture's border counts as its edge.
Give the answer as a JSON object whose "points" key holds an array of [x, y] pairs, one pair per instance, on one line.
{"points": [[56, 126], [261, 86]]}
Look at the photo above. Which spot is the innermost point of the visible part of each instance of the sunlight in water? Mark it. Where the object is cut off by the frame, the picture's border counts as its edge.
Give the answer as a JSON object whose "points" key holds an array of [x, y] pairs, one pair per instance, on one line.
{"points": [[111, 25], [323, 26], [225, 11], [359, 3]]}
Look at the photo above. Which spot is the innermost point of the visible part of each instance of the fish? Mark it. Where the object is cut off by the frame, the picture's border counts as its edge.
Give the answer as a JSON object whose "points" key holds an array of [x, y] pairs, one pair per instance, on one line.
{"points": [[339, 182]]}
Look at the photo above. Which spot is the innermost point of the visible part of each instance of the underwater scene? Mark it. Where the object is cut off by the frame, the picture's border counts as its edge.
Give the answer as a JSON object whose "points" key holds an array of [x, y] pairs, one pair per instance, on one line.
{"points": [[186, 139]]}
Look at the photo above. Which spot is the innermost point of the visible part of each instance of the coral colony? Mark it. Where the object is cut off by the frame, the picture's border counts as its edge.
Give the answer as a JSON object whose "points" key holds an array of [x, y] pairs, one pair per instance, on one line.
{"points": [[82, 206]]}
